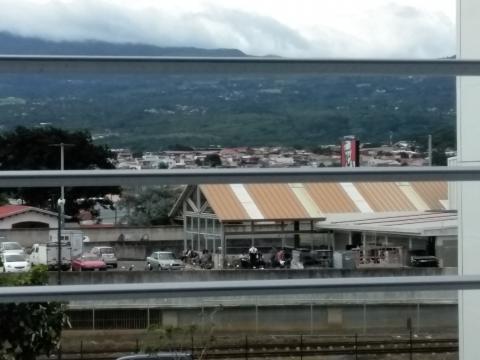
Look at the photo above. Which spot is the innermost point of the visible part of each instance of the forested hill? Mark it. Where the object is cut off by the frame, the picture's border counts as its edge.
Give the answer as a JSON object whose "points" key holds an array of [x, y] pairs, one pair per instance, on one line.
{"points": [[11, 44], [154, 112]]}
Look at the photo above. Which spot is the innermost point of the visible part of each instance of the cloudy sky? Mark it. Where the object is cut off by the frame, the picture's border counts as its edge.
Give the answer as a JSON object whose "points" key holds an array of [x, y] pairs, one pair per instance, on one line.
{"points": [[302, 28]]}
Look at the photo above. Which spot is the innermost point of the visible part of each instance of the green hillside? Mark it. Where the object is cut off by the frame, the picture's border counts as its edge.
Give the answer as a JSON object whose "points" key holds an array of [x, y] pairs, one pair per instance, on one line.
{"points": [[151, 113]]}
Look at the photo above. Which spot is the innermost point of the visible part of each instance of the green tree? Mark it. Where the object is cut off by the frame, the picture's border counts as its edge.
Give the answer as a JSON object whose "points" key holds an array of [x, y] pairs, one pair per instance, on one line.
{"points": [[213, 160], [29, 149], [149, 205], [29, 329]]}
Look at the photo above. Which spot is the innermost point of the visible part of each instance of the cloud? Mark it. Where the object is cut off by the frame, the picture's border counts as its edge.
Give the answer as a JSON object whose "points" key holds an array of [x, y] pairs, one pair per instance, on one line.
{"points": [[380, 30]]}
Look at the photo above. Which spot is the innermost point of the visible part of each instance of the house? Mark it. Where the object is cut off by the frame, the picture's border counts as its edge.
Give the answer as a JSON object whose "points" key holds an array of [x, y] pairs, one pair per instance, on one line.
{"points": [[26, 217]]}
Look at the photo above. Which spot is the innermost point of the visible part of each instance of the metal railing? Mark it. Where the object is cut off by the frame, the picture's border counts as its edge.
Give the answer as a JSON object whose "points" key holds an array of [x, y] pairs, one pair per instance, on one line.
{"points": [[236, 288], [243, 65], [232, 176]]}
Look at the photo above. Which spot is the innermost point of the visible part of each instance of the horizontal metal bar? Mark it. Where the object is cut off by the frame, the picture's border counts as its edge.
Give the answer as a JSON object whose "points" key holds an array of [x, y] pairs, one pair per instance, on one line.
{"points": [[244, 65], [236, 288], [231, 176]]}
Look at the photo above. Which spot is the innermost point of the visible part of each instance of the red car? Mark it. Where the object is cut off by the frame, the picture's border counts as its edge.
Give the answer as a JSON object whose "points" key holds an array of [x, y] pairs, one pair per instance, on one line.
{"points": [[88, 262]]}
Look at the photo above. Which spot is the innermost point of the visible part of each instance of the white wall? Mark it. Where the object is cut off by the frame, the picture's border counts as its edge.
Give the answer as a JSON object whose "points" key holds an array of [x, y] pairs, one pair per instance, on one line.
{"points": [[7, 223], [468, 136]]}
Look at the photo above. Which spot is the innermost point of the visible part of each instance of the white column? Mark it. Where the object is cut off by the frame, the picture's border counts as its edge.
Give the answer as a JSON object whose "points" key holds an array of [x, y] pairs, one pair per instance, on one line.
{"points": [[468, 140]]}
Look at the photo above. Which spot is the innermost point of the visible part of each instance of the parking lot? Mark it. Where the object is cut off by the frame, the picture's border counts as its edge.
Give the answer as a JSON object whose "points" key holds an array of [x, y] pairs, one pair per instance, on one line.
{"points": [[137, 265]]}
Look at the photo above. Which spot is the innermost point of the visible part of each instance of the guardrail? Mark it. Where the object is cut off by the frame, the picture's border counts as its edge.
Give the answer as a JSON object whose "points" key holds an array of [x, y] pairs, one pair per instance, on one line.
{"points": [[229, 176], [236, 288], [243, 65]]}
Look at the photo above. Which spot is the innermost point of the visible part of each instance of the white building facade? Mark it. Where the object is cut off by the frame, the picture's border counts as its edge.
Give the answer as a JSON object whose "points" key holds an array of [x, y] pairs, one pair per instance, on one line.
{"points": [[468, 135]]}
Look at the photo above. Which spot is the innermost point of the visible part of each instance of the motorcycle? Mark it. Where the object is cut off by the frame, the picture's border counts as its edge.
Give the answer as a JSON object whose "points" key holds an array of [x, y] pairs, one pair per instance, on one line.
{"points": [[246, 262]]}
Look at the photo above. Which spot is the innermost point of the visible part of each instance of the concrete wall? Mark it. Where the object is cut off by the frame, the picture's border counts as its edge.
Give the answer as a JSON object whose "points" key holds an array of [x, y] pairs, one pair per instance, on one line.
{"points": [[134, 233], [131, 277], [28, 237], [447, 251]]}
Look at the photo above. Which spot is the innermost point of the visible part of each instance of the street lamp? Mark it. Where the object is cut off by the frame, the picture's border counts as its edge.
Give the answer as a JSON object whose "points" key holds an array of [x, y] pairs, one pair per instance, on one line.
{"points": [[61, 212]]}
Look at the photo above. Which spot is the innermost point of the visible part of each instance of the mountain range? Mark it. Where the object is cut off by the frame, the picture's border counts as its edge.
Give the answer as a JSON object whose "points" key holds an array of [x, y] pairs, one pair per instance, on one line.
{"points": [[11, 44]]}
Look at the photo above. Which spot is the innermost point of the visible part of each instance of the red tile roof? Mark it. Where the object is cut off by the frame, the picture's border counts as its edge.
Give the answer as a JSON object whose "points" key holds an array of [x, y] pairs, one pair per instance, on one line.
{"points": [[9, 210]]}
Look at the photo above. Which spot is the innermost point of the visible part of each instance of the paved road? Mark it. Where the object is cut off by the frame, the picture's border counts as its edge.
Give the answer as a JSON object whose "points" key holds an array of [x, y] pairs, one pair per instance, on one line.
{"points": [[138, 266], [125, 265]]}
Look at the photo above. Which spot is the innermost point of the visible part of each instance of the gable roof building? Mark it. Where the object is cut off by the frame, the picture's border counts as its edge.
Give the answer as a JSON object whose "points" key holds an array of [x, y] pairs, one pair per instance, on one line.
{"points": [[21, 216], [301, 201], [216, 217]]}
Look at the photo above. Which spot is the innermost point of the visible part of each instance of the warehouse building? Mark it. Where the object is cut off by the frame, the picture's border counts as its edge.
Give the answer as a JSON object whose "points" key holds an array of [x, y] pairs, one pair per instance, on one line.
{"points": [[227, 219]]}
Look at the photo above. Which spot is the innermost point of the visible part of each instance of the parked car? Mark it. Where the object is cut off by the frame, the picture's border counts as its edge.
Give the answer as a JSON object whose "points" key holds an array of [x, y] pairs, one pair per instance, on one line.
{"points": [[159, 356], [420, 258], [164, 260], [88, 262], [11, 247], [15, 263], [107, 254]]}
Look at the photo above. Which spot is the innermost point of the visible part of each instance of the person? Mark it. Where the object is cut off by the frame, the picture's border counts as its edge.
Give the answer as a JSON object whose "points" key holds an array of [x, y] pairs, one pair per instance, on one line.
{"points": [[252, 252], [272, 256], [206, 260], [280, 257], [188, 254]]}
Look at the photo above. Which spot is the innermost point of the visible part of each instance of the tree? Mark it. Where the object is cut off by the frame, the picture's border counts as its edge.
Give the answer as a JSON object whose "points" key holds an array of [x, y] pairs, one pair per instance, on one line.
{"points": [[149, 205], [213, 160], [29, 149], [33, 328]]}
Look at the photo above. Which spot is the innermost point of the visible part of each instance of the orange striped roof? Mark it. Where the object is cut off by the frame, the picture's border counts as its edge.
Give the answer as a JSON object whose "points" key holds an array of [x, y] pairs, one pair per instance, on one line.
{"points": [[277, 201], [385, 197], [331, 198], [223, 202], [432, 192], [280, 202]]}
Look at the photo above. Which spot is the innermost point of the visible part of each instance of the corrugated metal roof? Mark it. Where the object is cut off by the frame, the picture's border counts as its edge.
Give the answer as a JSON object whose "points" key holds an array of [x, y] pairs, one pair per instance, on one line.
{"points": [[331, 198], [432, 192], [277, 201], [391, 199], [224, 202], [280, 201]]}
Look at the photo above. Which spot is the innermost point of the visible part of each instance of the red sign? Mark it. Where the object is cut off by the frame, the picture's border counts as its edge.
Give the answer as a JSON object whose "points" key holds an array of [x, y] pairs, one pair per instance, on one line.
{"points": [[350, 153]]}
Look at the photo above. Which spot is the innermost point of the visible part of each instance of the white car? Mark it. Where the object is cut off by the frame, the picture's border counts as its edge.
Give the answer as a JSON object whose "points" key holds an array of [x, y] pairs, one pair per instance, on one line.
{"points": [[15, 263], [163, 260], [11, 247]]}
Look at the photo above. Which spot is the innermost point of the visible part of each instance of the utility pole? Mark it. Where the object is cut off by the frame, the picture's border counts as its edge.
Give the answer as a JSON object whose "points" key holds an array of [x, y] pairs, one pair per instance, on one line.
{"points": [[430, 151], [61, 212]]}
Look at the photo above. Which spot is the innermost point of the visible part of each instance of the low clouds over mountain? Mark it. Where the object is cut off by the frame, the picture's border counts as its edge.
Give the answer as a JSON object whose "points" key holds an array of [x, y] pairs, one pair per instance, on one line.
{"points": [[341, 28]]}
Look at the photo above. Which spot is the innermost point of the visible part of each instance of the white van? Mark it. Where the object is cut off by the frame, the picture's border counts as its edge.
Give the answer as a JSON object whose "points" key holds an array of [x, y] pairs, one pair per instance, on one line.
{"points": [[76, 239], [47, 254], [107, 254]]}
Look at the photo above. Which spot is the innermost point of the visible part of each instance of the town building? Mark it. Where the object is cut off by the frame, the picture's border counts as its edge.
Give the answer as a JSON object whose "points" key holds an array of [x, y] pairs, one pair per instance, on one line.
{"points": [[228, 219]]}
